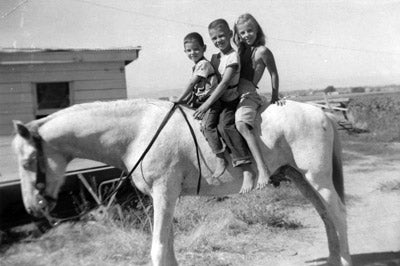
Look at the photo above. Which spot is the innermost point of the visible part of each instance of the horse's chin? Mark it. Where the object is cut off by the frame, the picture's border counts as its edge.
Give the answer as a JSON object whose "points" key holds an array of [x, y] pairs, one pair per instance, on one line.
{"points": [[35, 212]]}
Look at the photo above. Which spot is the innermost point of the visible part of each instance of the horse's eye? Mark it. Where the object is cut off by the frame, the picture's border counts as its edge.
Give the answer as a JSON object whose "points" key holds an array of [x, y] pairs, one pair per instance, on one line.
{"points": [[30, 162], [27, 164]]}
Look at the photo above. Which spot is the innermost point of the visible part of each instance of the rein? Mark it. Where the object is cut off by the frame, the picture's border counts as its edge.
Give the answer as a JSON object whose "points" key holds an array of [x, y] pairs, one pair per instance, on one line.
{"points": [[41, 168], [163, 123]]}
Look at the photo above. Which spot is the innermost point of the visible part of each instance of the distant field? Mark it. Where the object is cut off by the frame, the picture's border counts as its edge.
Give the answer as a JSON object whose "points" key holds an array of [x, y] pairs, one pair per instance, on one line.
{"points": [[377, 113], [348, 95]]}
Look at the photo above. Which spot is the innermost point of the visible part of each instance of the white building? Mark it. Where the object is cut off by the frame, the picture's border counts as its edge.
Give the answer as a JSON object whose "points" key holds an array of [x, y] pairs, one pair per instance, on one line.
{"points": [[38, 82]]}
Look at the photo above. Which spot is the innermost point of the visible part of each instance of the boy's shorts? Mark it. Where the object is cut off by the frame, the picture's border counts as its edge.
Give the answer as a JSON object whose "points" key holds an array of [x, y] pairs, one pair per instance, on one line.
{"points": [[249, 104]]}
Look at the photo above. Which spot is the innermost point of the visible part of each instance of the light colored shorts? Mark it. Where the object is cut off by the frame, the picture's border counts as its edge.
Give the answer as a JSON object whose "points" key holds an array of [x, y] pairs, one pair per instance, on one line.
{"points": [[250, 102]]}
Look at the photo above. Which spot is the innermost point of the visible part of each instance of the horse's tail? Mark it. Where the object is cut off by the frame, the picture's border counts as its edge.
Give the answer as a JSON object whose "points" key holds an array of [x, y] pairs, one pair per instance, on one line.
{"points": [[337, 167]]}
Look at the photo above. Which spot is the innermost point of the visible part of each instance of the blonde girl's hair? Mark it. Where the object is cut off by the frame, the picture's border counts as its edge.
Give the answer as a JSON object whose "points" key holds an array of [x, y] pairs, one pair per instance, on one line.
{"points": [[260, 39]]}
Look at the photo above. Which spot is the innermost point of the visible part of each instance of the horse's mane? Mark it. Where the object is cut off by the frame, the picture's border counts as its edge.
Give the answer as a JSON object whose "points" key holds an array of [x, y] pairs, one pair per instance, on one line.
{"points": [[118, 108]]}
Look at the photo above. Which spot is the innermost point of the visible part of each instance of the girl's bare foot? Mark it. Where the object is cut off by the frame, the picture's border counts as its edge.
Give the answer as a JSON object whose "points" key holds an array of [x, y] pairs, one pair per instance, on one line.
{"points": [[262, 182], [263, 179]]}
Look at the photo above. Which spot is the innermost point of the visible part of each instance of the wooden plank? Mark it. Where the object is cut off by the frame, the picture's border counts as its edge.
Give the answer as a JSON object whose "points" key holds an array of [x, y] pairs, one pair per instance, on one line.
{"points": [[66, 67], [13, 88], [6, 130], [62, 76], [4, 107], [16, 98], [16, 108], [6, 119], [90, 85], [99, 95]]}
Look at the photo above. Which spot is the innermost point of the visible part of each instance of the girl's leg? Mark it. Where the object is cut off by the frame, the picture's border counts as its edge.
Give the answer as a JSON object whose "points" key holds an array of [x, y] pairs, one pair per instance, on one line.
{"points": [[245, 118], [249, 135]]}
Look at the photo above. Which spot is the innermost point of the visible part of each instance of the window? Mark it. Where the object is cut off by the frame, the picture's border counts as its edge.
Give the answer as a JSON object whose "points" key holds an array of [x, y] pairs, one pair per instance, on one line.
{"points": [[53, 95]]}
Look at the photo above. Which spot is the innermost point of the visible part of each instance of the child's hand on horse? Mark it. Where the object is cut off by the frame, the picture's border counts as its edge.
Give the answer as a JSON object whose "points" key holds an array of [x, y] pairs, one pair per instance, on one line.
{"points": [[201, 111]]}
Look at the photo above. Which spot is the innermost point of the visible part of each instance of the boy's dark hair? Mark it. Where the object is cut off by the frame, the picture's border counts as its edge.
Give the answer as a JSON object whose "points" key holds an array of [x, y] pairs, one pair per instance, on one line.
{"points": [[218, 23], [193, 36]]}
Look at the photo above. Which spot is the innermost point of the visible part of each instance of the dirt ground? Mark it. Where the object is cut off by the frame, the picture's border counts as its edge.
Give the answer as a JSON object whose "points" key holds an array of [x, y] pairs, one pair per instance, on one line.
{"points": [[372, 179]]}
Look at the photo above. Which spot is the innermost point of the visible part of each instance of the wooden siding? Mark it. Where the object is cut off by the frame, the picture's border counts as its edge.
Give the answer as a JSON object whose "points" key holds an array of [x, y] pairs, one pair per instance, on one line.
{"points": [[90, 81], [51, 73], [16, 103]]}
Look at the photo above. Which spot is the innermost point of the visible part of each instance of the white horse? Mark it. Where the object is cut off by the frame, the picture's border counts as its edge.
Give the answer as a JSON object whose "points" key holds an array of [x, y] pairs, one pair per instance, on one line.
{"points": [[298, 136]]}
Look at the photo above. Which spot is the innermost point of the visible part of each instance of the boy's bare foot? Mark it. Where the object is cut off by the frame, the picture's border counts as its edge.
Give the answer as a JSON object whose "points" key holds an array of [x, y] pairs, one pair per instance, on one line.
{"points": [[220, 165], [215, 182], [248, 182]]}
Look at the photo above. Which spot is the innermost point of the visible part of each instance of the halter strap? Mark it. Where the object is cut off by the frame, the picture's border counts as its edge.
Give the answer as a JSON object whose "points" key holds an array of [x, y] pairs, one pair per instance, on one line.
{"points": [[40, 164]]}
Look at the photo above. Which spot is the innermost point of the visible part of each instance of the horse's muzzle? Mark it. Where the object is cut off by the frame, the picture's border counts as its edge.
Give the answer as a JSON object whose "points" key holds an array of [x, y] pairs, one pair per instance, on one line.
{"points": [[44, 205]]}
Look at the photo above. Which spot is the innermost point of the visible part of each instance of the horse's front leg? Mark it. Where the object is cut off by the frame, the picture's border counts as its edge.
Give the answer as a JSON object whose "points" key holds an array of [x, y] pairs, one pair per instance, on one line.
{"points": [[162, 248]]}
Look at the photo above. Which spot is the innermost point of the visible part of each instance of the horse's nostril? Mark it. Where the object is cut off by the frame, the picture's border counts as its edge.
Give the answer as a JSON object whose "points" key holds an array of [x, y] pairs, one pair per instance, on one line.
{"points": [[42, 203], [29, 211]]}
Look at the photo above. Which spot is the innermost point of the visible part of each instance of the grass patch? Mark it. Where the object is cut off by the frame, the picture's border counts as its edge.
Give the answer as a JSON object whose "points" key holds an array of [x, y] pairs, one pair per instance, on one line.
{"points": [[268, 207], [91, 243], [204, 227]]}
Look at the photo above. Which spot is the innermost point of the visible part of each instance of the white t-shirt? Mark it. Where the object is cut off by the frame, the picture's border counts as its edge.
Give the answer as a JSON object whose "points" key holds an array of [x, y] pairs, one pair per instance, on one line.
{"points": [[221, 62], [208, 81]]}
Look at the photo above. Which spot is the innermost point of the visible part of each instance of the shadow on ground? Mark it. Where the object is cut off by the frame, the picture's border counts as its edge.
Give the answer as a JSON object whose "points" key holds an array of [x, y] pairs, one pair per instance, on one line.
{"points": [[367, 259]]}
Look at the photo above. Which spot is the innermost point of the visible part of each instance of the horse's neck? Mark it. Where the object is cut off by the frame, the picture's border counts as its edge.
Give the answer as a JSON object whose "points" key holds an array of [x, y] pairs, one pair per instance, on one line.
{"points": [[94, 134]]}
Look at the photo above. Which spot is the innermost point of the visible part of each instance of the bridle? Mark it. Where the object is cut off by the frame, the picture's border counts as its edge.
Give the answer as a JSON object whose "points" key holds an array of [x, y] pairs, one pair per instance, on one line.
{"points": [[42, 198], [40, 184]]}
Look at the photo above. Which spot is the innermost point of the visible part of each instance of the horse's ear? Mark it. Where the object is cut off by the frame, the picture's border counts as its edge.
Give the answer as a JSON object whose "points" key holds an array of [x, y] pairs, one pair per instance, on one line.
{"points": [[22, 130]]}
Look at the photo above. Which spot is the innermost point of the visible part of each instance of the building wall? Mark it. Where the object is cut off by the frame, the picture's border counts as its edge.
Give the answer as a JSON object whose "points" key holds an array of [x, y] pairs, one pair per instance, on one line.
{"points": [[89, 81]]}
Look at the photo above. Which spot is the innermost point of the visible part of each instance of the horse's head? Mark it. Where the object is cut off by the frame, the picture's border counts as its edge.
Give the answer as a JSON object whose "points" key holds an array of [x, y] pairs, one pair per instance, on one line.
{"points": [[41, 170]]}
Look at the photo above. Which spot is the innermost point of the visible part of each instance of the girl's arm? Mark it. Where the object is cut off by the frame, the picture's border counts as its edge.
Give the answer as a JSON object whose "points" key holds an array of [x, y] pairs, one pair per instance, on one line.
{"points": [[269, 62], [188, 89], [217, 93]]}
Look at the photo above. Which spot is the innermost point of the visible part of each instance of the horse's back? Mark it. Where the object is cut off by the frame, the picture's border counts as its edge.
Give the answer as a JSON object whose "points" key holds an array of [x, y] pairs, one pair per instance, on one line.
{"points": [[294, 120], [301, 131]]}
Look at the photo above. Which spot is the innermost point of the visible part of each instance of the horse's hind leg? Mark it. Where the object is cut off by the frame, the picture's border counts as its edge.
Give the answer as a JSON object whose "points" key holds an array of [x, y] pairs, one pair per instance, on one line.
{"points": [[162, 248], [331, 210]]}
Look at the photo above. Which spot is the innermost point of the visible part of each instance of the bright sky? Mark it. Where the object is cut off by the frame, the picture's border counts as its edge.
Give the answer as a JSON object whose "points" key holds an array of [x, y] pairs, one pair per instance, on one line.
{"points": [[316, 43]]}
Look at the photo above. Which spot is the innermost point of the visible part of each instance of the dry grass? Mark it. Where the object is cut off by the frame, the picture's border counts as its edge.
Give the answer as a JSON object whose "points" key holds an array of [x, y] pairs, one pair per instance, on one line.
{"points": [[90, 243], [204, 227]]}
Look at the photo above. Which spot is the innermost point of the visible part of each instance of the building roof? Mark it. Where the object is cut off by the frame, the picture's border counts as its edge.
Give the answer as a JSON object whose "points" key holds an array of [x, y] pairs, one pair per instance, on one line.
{"points": [[39, 50], [19, 56]]}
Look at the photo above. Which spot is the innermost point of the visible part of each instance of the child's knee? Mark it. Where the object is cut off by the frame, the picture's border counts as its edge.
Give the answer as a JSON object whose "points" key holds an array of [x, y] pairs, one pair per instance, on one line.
{"points": [[242, 127]]}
